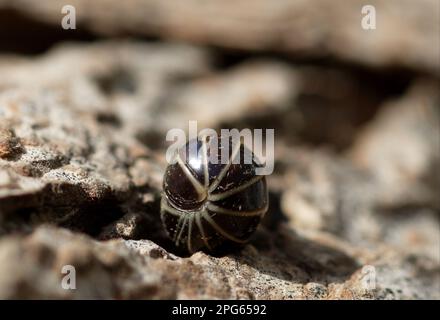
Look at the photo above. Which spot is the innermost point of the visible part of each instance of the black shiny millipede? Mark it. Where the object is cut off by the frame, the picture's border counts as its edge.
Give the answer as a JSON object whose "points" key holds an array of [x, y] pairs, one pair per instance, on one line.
{"points": [[207, 205]]}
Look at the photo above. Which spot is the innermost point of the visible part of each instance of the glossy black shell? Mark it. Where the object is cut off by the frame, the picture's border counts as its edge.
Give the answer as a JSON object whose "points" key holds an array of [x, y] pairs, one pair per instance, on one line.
{"points": [[207, 205]]}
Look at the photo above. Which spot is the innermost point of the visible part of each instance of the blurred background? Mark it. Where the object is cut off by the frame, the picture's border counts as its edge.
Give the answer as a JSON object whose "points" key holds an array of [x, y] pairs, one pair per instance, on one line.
{"points": [[83, 118]]}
